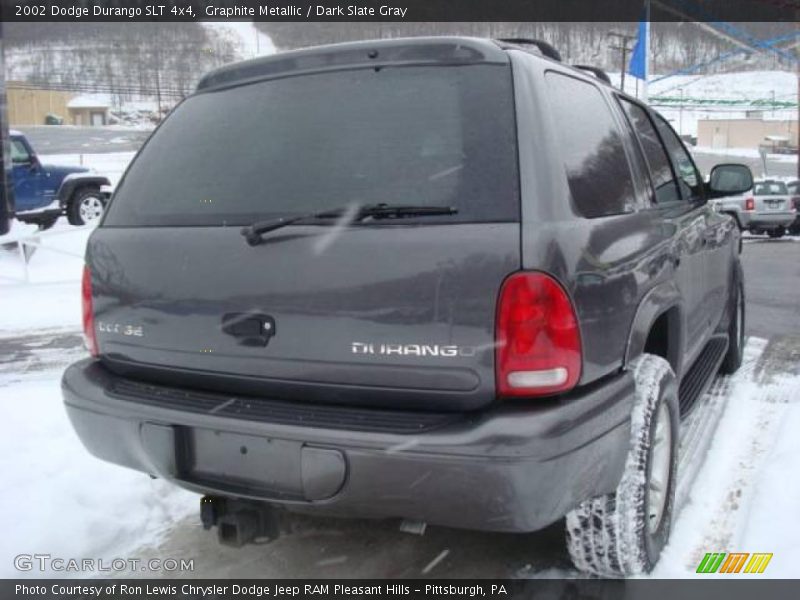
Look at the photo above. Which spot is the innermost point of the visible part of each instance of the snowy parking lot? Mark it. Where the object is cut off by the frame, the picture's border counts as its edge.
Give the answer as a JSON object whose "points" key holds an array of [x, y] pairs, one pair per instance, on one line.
{"points": [[734, 493]]}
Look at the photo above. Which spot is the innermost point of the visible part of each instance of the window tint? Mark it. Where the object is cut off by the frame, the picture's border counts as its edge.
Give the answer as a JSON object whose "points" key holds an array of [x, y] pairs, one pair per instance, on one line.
{"points": [[591, 146], [19, 153], [689, 179], [657, 159], [304, 144], [770, 188]]}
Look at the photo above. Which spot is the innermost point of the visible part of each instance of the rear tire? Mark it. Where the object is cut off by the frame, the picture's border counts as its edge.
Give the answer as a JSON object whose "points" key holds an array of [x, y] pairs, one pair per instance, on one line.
{"points": [[87, 206], [735, 330], [623, 533]]}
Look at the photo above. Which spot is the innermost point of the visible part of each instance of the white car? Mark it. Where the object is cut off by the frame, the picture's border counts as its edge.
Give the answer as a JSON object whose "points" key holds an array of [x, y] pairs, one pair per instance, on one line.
{"points": [[767, 208]]}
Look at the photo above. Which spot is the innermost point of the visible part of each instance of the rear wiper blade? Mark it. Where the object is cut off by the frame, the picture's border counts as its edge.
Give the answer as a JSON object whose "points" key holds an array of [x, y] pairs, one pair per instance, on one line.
{"points": [[253, 233]]}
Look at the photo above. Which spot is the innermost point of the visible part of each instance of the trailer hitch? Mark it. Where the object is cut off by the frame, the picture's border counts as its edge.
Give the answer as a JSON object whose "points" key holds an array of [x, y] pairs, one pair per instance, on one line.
{"points": [[239, 522]]}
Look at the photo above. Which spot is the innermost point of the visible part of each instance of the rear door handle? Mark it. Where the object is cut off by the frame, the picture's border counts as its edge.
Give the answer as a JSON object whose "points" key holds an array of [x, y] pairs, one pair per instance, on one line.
{"points": [[249, 329]]}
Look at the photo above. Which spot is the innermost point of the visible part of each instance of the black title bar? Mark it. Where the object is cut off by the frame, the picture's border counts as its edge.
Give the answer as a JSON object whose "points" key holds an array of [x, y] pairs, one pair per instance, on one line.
{"points": [[731, 588], [399, 10]]}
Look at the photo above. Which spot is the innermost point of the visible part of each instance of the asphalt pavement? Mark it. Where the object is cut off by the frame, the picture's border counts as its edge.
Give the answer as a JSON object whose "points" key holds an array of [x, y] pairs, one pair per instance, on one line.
{"points": [[67, 139], [772, 286]]}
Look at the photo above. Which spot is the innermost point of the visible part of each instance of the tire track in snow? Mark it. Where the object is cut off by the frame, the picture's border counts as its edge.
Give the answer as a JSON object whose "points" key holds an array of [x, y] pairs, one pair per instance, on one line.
{"points": [[723, 447]]}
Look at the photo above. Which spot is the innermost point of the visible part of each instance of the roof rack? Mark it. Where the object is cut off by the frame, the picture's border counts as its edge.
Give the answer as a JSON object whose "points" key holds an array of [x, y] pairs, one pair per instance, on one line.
{"points": [[546, 49], [596, 71]]}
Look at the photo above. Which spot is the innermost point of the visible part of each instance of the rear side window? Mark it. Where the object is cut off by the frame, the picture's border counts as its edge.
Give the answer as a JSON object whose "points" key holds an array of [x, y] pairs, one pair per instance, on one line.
{"points": [[398, 135], [657, 159], [688, 178], [591, 146]]}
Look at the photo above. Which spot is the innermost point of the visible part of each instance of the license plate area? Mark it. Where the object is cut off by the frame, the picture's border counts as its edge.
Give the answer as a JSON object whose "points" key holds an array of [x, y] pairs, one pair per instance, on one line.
{"points": [[266, 466]]}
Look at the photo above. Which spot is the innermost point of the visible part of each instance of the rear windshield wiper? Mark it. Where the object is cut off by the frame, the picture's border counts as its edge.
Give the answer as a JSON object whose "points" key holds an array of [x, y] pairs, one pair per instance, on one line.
{"points": [[253, 233]]}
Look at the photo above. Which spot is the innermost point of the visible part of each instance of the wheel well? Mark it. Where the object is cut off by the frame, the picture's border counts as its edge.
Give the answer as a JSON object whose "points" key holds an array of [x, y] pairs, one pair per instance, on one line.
{"points": [[662, 339], [82, 188], [735, 217]]}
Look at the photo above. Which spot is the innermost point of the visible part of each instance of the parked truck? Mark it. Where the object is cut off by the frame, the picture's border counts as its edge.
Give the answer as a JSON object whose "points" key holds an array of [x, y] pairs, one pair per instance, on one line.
{"points": [[45, 192]]}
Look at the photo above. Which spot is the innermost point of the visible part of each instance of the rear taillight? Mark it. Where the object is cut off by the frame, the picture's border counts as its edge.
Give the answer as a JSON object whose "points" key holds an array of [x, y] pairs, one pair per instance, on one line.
{"points": [[89, 336], [538, 340], [750, 204]]}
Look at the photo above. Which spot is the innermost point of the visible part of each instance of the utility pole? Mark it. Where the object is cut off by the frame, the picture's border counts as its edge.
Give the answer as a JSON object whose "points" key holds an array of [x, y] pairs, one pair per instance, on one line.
{"points": [[623, 47], [6, 187]]}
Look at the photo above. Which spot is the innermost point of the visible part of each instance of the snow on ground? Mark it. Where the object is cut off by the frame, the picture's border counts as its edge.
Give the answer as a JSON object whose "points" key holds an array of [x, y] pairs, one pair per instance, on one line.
{"points": [[63, 501], [51, 296], [743, 499]]}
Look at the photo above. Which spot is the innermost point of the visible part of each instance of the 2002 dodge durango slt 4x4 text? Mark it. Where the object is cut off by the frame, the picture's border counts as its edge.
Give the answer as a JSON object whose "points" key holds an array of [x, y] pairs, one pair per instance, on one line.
{"points": [[446, 280]]}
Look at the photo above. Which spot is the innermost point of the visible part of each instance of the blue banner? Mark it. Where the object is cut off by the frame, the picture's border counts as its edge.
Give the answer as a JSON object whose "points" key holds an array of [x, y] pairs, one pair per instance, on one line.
{"points": [[639, 57]]}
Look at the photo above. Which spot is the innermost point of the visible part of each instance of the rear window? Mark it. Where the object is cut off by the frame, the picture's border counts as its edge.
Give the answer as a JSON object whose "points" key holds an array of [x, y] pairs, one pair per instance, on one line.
{"points": [[770, 188], [408, 135], [597, 168]]}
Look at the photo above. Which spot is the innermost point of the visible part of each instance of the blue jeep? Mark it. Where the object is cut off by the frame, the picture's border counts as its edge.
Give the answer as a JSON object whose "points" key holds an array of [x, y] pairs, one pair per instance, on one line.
{"points": [[43, 193]]}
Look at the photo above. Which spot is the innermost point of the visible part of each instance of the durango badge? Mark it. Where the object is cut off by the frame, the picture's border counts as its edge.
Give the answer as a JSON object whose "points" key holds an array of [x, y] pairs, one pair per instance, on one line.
{"points": [[449, 351]]}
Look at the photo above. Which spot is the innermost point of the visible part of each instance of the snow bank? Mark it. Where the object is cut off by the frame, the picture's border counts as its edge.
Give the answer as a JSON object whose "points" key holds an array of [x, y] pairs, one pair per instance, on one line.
{"points": [[744, 497], [47, 292], [63, 501]]}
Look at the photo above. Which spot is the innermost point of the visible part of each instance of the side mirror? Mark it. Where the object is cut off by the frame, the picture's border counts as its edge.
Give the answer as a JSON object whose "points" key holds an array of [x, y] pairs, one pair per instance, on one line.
{"points": [[35, 163], [729, 180]]}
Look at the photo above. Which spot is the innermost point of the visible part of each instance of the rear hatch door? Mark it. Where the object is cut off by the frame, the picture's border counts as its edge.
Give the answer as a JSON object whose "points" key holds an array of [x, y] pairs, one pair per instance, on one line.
{"points": [[383, 312]]}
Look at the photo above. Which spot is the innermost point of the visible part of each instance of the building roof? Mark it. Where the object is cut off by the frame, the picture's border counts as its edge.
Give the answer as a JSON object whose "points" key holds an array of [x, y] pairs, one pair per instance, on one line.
{"points": [[90, 101]]}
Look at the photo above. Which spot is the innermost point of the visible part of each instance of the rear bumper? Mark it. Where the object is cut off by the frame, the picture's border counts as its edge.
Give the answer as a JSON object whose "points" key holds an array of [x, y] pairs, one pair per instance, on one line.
{"points": [[768, 220], [516, 468]]}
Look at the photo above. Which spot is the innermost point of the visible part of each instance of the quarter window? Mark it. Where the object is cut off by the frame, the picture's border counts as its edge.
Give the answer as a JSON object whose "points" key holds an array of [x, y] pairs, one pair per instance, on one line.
{"points": [[661, 173], [688, 178], [595, 162]]}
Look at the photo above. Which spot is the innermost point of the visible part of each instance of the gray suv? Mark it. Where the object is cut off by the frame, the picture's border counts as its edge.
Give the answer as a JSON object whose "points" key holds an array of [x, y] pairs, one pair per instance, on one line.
{"points": [[444, 280], [767, 208]]}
